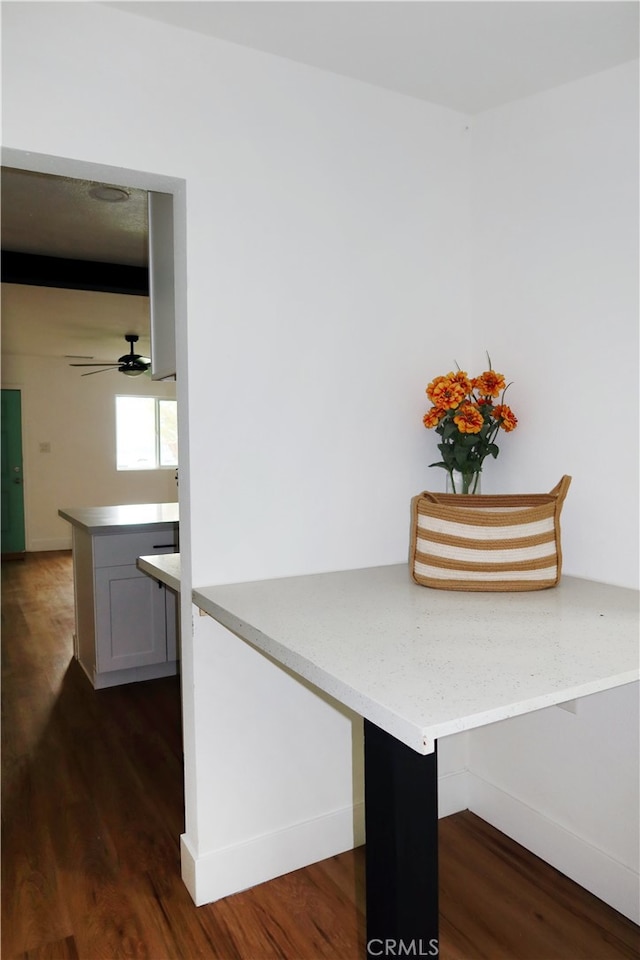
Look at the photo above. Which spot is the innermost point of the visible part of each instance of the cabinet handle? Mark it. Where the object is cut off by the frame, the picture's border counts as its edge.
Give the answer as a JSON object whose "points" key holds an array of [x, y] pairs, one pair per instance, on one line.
{"points": [[163, 546]]}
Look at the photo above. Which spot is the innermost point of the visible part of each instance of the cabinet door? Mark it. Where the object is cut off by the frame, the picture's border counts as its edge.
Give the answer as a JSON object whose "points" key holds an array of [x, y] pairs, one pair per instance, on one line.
{"points": [[130, 619]]}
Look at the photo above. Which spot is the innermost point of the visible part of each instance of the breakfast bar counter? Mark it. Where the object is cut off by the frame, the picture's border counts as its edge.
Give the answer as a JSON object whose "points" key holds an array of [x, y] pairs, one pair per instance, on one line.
{"points": [[165, 569], [419, 664], [423, 663]]}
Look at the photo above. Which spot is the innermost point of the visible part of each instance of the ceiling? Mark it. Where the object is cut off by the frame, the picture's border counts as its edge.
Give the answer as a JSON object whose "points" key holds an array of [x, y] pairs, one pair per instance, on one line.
{"points": [[468, 56], [59, 217]]}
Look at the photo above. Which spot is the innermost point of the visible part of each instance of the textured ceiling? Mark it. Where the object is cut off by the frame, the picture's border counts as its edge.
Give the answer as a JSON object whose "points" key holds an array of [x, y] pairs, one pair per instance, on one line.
{"points": [[57, 216]]}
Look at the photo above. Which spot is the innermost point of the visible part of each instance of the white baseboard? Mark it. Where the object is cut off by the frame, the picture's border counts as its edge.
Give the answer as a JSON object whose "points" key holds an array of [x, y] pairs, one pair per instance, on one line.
{"points": [[39, 546], [593, 869], [453, 793], [223, 872], [227, 871], [114, 678]]}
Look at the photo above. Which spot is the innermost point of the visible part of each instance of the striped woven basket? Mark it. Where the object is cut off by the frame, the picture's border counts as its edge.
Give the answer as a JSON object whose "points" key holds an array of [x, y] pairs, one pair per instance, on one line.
{"points": [[504, 542]]}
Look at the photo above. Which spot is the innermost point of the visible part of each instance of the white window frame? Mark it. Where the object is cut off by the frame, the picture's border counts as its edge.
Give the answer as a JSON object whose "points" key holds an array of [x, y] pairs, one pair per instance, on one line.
{"points": [[157, 446]]}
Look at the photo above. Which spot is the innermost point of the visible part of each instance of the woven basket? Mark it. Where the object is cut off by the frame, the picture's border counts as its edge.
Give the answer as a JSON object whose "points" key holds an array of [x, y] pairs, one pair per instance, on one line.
{"points": [[503, 542]]}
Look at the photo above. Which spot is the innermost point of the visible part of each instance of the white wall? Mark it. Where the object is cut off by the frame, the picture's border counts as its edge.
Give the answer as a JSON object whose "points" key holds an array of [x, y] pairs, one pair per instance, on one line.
{"points": [[328, 232], [75, 415], [565, 785], [555, 200], [555, 296]]}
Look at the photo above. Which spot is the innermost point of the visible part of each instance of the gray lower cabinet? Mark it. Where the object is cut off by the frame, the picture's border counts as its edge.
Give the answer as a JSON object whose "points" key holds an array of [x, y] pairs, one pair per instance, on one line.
{"points": [[126, 623], [135, 620]]}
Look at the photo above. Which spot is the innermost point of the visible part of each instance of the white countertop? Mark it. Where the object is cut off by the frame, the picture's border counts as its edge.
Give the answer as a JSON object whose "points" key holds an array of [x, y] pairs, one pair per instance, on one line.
{"points": [[423, 663], [123, 518], [163, 567]]}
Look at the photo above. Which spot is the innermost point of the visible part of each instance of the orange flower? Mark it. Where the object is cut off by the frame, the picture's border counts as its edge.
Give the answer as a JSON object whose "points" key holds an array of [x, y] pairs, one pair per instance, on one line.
{"points": [[467, 413], [489, 383], [432, 417], [445, 392], [461, 377], [469, 419], [433, 385], [508, 419]]}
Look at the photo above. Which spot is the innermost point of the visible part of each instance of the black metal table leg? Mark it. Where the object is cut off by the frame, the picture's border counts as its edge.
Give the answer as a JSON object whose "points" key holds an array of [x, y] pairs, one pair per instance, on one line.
{"points": [[401, 815]]}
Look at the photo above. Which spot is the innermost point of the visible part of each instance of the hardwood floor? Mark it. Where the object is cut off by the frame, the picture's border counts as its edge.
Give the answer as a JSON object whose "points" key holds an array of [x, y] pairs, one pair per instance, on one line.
{"points": [[92, 809]]}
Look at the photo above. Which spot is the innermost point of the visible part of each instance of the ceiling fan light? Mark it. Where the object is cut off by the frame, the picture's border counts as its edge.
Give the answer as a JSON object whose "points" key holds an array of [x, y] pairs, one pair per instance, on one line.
{"points": [[109, 194], [131, 371]]}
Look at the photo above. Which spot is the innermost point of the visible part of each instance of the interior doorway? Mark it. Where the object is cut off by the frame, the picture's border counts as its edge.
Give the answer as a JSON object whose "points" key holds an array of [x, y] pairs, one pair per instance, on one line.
{"points": [[150, 182], [64, 323]]}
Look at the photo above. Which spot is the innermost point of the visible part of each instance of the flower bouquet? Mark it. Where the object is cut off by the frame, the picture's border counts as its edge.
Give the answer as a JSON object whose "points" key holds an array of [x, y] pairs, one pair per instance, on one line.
{"points": [[465, 414]]}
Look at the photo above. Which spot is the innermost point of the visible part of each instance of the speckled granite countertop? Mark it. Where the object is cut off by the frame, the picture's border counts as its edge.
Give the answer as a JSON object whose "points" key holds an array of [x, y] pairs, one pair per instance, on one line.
{"points": [[165, 568], [423, 663]]}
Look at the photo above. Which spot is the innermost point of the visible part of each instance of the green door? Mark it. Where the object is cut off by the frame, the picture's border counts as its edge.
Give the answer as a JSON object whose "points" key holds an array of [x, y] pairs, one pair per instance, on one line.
{"points": [[12, 489]]}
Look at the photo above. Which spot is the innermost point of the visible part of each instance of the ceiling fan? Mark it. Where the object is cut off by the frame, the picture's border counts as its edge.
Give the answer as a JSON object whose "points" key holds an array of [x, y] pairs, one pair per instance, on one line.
{"points": [[132, 364]]}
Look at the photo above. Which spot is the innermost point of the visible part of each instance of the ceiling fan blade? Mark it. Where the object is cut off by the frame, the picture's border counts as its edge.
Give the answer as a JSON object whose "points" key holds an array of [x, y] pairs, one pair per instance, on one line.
{"points": [[130, 363], [91, 372]]}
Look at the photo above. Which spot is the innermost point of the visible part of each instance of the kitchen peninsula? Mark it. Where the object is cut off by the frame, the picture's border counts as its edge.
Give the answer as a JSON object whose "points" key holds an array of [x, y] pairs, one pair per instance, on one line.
{"points": [[126, 623]]}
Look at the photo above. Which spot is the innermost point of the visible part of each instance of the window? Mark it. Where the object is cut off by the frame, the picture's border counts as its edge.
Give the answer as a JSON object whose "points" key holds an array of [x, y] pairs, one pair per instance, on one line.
{"points": [[146, 433]]}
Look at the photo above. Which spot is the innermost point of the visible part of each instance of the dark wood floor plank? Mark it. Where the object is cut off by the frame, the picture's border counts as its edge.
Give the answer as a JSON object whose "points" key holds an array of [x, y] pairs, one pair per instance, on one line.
{"points": [[516, 905], [33, 909], [56, 950], [324, 924], [93, 808]]}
